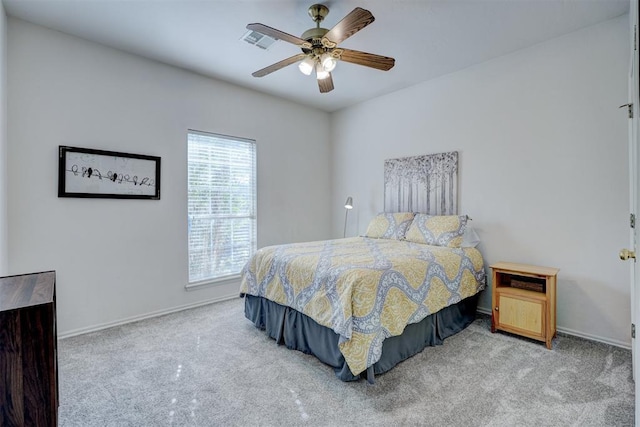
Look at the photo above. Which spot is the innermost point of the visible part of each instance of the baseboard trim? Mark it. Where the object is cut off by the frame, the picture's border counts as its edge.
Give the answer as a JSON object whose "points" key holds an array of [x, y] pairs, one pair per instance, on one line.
{"points": [[597, 338], [567, 331], [149, 315], [159, 313], [484, 310]]}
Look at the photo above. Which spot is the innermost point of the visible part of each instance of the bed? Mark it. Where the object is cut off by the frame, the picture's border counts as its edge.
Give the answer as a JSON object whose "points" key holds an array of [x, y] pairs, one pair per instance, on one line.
{"points": [[364, 304]]}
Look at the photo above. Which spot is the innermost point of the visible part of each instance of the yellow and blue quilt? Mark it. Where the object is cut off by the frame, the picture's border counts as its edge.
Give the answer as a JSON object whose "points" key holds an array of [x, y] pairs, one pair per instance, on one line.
{"points": [[364, 289]]}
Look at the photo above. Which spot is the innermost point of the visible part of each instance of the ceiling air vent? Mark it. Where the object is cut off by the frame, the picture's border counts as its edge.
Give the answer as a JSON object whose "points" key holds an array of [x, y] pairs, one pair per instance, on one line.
{"points": [[258, 39]]}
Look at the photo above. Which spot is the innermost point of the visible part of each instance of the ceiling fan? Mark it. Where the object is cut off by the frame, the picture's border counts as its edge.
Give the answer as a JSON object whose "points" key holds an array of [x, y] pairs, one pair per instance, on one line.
{"points": [[320, 51]]}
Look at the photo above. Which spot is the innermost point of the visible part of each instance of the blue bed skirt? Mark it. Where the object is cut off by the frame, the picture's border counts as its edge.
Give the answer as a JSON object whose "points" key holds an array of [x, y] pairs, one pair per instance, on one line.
{"points": [[299, 332]]}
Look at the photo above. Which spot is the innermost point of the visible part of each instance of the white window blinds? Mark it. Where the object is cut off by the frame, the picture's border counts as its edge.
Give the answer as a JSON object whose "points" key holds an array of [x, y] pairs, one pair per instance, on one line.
{"points": [[222, 205]]}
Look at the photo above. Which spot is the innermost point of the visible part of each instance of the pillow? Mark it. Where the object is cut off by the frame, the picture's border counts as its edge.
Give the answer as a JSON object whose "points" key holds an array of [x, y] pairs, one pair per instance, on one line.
{"points": [[389, 225], [470, 238], [437, 230]]}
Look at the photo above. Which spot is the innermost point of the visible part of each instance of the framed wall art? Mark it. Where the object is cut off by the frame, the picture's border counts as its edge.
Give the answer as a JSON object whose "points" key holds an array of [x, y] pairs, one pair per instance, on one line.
{"points": [[426, 184], [85, 172]]}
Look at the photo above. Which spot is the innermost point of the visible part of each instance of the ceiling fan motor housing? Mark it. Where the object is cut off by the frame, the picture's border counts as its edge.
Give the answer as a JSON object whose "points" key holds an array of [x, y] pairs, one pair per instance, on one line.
{"points": [[317, 12], [314, 36]]}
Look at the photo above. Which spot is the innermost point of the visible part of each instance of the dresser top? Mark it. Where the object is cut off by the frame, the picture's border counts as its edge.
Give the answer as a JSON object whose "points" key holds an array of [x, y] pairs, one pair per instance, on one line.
{"points": [[525, 268], [26, 290]]}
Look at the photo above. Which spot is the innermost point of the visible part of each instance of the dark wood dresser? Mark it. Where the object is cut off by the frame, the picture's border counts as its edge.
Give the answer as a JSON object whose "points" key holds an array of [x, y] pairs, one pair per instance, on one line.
{"points": [[28, 355]]}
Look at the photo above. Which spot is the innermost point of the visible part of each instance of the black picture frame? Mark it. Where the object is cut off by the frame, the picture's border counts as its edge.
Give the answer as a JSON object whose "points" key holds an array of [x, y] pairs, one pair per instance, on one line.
{"points": [[89, 173]]}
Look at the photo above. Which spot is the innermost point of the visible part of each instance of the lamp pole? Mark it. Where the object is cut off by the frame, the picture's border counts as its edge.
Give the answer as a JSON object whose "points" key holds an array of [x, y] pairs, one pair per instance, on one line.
{"points": [[348, 205], [346, 212]]}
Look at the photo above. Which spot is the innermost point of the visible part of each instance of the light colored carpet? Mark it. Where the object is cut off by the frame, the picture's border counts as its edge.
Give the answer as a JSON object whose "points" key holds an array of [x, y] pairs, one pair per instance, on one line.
{"points": [[210, 366]]}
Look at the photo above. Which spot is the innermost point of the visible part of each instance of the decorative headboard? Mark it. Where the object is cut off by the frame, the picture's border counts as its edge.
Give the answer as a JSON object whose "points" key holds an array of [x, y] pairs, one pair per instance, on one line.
{"points": [[426, 184]]}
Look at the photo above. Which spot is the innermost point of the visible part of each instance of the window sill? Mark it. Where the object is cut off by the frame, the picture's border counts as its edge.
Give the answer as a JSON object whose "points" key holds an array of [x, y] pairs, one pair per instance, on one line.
{"points": [[212, 282]]}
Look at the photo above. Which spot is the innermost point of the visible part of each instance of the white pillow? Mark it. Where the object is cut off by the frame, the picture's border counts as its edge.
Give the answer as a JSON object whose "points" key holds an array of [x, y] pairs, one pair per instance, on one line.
{"points": [[470, 238]]}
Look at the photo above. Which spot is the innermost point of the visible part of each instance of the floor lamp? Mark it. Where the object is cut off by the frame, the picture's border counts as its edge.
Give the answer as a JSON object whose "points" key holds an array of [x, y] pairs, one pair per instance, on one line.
{"points": [[348, 205]]}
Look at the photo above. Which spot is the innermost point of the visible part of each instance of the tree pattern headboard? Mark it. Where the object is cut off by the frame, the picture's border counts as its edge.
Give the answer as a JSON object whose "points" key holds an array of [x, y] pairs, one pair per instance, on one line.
{"points": [[426, 184]]}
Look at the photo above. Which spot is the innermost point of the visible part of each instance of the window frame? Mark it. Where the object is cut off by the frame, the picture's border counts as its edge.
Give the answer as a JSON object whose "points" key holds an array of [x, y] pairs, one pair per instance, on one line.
{"points": [[223, 279]]}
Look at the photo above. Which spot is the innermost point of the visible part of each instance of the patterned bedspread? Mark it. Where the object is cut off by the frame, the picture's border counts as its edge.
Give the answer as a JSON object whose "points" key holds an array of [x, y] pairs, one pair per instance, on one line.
{"points": [[364, 289]]}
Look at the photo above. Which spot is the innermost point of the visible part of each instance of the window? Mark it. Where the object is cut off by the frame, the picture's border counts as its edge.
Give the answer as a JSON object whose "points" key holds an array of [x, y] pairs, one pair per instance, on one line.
{"points": [[222, 205]]}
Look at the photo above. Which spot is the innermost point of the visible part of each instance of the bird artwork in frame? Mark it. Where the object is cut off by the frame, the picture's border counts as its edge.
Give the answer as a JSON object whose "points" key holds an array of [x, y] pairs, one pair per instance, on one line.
{"points": [[90, 173]]}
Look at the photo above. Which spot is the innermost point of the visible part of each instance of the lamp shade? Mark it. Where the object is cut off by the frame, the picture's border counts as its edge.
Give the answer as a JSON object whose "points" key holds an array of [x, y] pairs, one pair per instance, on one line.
{"points": [[349, 203], [328, 62], [321, 74], [306, 66]]}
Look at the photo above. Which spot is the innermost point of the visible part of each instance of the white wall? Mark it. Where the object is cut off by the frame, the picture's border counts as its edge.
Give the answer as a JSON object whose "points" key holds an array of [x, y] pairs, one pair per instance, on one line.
{"points": [[543, 163], [118, 259], [4, 247]]}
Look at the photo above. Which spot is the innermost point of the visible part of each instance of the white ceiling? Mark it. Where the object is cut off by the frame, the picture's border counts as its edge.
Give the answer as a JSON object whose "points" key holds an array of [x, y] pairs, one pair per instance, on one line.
{"points": [[428, 38]]}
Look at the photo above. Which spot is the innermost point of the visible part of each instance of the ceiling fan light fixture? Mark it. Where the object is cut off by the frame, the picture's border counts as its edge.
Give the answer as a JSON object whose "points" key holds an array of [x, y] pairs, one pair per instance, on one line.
{"points": [[328, 62], [306, 66], [321, 73]]}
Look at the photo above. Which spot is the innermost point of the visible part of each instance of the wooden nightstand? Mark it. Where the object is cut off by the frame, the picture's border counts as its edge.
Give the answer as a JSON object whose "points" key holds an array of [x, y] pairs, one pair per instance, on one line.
{"points": [[523, 298]]}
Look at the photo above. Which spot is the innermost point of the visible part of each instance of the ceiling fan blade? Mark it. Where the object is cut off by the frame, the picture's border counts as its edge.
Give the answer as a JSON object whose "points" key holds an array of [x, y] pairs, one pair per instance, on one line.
{"points": [[350, 24], [326, 85], [378, 62], [279, 35], [275, 67]]}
